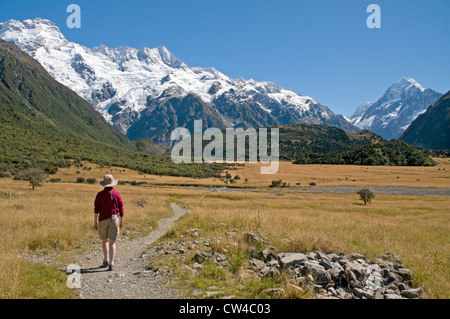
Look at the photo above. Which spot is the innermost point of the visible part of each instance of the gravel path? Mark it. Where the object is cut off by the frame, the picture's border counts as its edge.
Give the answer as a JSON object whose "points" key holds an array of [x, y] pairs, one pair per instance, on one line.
{"points": [[129, 279]]}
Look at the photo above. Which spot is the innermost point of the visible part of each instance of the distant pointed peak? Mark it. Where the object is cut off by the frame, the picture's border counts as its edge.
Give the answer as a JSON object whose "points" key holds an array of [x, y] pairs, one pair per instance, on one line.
{"points": [[404, 84], [411, 81]]}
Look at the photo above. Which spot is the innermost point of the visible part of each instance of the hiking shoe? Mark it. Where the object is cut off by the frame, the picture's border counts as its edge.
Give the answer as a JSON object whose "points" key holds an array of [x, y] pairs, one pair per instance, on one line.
{"points": [[111, 268], [105, 264]]}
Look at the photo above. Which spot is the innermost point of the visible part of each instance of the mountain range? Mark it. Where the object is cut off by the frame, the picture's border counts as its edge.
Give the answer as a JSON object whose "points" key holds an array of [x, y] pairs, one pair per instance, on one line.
{"points": [[399, 106], [148, 92], [44, 124]]}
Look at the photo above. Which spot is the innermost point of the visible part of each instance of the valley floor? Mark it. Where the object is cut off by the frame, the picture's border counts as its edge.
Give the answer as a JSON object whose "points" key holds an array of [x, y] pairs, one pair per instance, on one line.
{"points": [[44, 230]]}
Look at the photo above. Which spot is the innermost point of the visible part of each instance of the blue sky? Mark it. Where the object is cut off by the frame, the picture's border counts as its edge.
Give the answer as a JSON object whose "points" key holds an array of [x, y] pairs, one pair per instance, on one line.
{"points": [[320, 48]]}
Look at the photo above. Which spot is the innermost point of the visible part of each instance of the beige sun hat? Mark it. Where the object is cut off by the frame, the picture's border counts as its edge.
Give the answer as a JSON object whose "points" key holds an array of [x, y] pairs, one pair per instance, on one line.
{"points": [[108, 181]]}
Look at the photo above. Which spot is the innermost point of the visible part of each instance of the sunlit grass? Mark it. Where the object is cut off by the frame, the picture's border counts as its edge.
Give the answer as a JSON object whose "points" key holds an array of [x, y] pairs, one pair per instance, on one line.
{"points": [[333, 223]]}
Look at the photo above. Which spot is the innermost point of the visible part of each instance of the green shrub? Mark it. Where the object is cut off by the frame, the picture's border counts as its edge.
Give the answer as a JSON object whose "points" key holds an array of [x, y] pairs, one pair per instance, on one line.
{"points": [[366, 195], [91, 180]]}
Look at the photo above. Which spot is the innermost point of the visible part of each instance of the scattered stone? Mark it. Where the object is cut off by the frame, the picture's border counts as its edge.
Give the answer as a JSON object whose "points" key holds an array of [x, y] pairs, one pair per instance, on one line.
{"points": [[210, 294], [197, 266], [200, 257], [230, 234], [251, 239], [274, 292]]}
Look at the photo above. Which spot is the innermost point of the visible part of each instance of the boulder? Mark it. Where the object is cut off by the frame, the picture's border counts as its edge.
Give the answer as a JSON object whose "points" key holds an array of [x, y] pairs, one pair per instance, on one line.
{"points": [[405, 273], [257, 264], [318, 272], [363, 293], [412, 293], [291, 259]]}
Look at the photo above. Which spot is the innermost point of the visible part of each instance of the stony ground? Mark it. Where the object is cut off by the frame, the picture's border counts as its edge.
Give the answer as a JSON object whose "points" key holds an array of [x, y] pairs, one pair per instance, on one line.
{"points": [[388, 190], [129, 280]]}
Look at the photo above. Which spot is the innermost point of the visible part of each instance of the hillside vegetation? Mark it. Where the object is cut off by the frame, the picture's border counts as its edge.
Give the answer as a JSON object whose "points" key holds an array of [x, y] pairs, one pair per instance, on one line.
{"points": [[393, 153], [317, 144], [296, 140]]}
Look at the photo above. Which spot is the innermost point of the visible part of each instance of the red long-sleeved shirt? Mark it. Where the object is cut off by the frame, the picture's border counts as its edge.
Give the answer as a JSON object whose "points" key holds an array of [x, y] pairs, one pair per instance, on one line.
{"points": [[108, 202]]}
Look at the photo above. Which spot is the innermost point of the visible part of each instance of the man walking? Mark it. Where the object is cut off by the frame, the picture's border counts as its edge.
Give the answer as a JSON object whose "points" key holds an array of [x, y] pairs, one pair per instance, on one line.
{"points": [[108, 218]]}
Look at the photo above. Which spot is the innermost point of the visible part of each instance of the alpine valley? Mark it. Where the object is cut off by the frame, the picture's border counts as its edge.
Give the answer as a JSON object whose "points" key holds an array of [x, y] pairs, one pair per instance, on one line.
{"points": [[148, 92]]}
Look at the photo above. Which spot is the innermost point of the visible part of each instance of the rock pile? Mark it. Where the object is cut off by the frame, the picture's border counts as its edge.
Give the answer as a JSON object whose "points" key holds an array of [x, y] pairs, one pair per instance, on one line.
{"points": [[339, 276]]}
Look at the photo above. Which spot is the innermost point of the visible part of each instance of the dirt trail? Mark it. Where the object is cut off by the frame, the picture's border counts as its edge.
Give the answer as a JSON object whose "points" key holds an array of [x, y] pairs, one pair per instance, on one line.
{"points": [[127, 280]]}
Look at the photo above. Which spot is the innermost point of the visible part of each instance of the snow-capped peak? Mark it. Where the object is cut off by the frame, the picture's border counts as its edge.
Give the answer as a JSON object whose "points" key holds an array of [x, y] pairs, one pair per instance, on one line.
{"points": [[405, 84], [32, 34], [402, 102]]}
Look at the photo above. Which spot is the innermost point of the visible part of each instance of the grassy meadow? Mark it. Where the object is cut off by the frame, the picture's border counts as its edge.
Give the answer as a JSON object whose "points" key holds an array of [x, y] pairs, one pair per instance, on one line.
{"points": [[56, 220]]}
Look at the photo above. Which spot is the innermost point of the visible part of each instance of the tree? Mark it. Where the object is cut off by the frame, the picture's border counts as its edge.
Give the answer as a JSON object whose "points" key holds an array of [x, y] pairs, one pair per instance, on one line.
{"points": [[34, 176], [366, 195]]}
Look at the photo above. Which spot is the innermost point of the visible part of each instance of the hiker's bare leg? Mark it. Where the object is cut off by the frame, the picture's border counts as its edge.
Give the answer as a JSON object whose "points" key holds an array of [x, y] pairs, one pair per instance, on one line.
{"points": [[105, 244], [112, 251]]}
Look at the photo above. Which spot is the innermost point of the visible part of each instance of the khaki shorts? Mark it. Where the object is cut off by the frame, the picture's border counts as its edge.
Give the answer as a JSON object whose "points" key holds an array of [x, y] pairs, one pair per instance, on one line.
{"points": [[109, 228]]}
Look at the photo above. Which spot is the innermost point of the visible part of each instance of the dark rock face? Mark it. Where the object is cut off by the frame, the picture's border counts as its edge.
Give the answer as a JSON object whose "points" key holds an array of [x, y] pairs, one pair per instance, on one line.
{"points": [[83, 69], [106, 92]]}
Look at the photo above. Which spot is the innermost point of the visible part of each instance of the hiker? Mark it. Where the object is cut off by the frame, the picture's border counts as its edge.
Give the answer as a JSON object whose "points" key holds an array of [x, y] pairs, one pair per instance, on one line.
{"points": [[108, 218]]}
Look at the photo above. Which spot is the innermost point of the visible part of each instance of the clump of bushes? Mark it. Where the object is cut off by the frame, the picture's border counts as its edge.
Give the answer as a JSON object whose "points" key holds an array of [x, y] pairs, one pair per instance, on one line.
{"points": [[279, 183], [80, 180], [91, 180]]}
